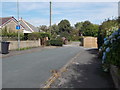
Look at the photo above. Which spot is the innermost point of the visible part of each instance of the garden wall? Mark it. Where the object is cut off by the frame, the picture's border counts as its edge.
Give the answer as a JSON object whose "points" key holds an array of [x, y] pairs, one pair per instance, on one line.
{"points": [[115, 76], [90, 42], [23, 44]]}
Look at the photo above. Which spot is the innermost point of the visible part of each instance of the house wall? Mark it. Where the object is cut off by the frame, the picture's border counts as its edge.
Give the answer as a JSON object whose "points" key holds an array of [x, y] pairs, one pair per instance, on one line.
{"points": [[90, 42], [11, 27], [23, 44]]}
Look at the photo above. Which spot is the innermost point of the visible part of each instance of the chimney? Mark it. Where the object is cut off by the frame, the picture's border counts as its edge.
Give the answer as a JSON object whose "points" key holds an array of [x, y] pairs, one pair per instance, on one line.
{"points": [[20, 18]]}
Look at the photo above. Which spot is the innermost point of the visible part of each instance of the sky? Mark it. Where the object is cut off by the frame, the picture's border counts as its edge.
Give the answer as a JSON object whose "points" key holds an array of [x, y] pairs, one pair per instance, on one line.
{"points": [[37, 13]]}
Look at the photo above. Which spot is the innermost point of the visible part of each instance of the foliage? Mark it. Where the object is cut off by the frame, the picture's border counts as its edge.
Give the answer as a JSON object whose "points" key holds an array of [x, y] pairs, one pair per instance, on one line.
{"points": [[64, 26], [26, 48], [48, 43], [54, 31], [106, 29], [78, 27], [64, 29], [56, 42], [33, 36], [11, 35], [111, 49], [37, 35], [43, 28], [89, 29], [43, 35]]}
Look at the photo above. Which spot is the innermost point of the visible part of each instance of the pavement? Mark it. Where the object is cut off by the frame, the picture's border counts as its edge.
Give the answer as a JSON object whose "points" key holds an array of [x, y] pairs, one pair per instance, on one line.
{"points": [[84, 71], [31, 68]]}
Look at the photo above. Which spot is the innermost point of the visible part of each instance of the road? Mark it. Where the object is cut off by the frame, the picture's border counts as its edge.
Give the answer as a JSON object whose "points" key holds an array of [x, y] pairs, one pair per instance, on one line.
{"points": [[32, 69]]}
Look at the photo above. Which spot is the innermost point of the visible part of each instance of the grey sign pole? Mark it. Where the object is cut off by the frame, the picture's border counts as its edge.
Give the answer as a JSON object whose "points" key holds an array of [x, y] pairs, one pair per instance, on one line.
{"points": [[18, 24], [50, 16]]}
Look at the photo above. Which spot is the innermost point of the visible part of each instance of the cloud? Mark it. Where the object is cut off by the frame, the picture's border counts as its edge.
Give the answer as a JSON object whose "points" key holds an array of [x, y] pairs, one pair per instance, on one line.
{"points": [[38, 21], [38, 13], [28, 6]]}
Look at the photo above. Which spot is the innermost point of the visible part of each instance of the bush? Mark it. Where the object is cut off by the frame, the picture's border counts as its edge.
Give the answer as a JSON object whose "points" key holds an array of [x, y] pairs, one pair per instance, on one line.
{"points": [[75, 38], [33, 36], [43, 35], [56, 42], [48, 43], [111, 49]]}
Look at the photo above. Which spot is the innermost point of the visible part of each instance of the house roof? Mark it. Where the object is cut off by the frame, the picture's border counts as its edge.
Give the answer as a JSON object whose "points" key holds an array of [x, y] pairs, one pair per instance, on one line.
{"points": [[28, 27], [5, 20]]}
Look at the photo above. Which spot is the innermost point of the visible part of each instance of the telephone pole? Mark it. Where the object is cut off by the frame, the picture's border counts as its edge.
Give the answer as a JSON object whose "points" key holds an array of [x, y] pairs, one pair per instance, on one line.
{"points": [[50, 16]]}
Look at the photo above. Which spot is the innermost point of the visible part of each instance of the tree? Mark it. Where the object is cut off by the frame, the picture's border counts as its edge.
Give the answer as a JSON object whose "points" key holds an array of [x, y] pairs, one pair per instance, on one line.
{"points": [[64, 26], [54, 31], [89, 29], [106, 29], [78, 26], [43, 28]]}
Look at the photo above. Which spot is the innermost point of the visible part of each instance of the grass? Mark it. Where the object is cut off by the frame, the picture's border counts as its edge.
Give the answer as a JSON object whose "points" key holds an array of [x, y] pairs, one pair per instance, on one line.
{"points": [[26, 48]]}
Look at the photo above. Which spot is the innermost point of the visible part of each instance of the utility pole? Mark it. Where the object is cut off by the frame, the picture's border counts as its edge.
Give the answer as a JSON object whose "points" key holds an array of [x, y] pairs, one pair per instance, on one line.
{"points": [[18, 24], [50, 16]]}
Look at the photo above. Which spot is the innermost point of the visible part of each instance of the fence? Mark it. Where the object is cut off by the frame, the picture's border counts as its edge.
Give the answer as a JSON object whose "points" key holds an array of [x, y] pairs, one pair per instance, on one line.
{"points": [[90, 42]]}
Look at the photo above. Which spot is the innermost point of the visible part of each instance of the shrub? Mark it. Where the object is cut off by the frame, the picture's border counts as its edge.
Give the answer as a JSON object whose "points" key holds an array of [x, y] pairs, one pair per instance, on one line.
{"points": [[75, 38], [111, 49], [33, 36], [43, 35], [56, 42], [48, 43]]}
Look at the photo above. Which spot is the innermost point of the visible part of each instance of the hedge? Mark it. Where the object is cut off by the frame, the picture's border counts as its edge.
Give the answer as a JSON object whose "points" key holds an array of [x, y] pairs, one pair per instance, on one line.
{"points": [[55, 43]]}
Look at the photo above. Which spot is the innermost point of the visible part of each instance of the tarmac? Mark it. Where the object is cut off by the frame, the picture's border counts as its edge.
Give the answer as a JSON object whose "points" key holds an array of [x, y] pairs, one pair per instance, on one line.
{"points": [[85, 71]]}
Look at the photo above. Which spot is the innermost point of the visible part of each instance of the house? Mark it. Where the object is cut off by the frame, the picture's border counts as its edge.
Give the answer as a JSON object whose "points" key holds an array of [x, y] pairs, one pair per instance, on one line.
{"points": [[28, 28], [10, 23]]}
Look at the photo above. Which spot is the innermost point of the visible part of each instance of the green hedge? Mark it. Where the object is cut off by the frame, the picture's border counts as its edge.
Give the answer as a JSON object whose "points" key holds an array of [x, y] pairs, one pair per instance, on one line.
{"points": [[55, 43], [37, 35]]}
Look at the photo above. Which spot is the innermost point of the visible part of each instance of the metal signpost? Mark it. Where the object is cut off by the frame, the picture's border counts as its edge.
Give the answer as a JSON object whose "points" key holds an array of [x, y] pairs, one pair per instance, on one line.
{"points": [[50, 16], [18, 26]]}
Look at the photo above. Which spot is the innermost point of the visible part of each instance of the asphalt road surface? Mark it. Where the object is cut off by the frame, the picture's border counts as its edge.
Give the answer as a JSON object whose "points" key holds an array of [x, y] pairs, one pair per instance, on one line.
{"points": [[33, 69]]}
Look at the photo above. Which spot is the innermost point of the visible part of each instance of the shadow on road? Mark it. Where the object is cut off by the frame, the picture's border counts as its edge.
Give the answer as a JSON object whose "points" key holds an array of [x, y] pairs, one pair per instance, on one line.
{"points": [[88, 75]]}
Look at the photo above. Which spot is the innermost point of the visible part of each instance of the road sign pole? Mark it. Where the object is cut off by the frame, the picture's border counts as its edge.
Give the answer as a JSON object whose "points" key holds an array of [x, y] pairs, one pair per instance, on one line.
{"points": [[18, 40], [50, 16], [18, 24]]}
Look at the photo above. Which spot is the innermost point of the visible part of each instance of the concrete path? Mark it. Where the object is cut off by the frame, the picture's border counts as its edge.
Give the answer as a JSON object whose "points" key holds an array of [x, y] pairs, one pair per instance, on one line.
{"points": [[84, 72]]}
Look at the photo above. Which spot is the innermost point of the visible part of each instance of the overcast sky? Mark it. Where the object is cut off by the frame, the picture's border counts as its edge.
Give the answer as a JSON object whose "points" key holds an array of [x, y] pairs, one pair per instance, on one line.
{"points": [[37, 13]]}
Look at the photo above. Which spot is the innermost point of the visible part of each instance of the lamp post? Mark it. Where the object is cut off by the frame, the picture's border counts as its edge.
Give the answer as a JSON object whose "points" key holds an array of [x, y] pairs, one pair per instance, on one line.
{"points": [[18, 25]]}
